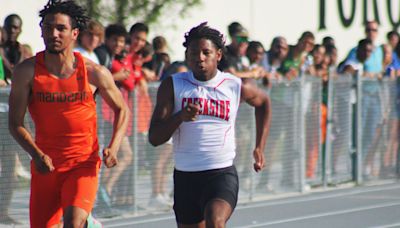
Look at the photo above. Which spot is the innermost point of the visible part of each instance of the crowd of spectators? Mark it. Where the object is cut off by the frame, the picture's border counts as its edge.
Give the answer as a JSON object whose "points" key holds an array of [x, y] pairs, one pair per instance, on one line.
{"points": [[134, 62]]}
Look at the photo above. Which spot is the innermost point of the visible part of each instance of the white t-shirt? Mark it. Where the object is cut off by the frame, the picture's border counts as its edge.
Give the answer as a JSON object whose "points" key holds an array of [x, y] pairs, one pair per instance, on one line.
{"points": [[358, 67], [208, 142], [90, 55]]}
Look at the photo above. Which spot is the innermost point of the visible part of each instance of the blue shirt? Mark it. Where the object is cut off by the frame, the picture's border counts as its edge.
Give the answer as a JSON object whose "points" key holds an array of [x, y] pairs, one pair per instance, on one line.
{"points": [[374, 64]]}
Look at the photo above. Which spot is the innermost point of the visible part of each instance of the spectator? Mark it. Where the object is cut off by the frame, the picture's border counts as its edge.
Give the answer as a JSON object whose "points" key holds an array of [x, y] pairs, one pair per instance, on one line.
{"points": [[328, 41], [319, 67], [89, 39], [11, 50], [144, 62], [2, 35], [374, 64], [389, 63], [234, 59], [160, 44], [392, 69], [331, 56], [274, 57], [174, 67], [391, 51], [255, 52], [147, 56], [160, 59], [281, 97], [364, 51], [371, 110], [11, 53], [256, 55], [130, 64], [298, 60], [114, 44], [330, 52], [393, 38], [2, 73]]}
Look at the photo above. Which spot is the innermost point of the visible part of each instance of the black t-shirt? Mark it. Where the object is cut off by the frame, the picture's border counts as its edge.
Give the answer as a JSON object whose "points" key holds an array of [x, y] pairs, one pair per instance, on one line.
{"points": [[12, 52], [172, 69], [230, 59], [104, 56]]}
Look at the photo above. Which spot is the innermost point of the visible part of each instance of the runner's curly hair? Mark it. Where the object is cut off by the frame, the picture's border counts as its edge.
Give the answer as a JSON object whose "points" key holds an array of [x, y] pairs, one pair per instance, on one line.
{"points": [[78, 16], [204, 31]]}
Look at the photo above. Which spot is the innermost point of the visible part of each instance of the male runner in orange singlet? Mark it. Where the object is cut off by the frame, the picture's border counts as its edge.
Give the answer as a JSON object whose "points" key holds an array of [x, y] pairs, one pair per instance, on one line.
{"points": [[57, 85]]}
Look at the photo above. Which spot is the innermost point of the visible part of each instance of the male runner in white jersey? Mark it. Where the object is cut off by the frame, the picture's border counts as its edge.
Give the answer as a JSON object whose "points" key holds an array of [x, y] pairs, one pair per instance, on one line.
{"points": [[198, 109]]}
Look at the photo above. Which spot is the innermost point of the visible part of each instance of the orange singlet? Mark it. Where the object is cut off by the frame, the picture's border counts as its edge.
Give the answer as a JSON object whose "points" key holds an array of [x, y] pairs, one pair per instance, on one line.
{"points": [[64, 113]]}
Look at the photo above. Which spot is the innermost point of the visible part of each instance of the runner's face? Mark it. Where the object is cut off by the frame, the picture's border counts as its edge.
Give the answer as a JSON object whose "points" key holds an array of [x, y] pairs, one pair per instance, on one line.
{"points": [[203, 57], [57, 33]]}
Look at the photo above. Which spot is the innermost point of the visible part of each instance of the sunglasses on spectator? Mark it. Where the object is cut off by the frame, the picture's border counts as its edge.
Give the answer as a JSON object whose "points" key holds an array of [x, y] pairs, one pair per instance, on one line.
{"points": [[371, 30], [242, 39]]}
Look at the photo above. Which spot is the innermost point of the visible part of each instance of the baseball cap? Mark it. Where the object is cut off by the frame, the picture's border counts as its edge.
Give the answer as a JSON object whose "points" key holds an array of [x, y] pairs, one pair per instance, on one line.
{"points": [[237, 30]]}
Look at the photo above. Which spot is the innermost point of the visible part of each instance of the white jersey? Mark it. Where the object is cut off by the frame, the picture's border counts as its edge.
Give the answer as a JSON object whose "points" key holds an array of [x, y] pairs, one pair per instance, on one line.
{"points": [[209, 141]]}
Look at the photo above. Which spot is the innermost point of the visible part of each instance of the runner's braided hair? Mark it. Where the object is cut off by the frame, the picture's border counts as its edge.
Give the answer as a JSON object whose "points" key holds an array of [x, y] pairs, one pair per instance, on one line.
{"points": [[68, 7], [204, 31]]}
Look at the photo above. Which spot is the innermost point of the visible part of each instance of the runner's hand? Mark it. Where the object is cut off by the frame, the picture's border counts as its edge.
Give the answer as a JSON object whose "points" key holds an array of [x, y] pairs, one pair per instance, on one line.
{"points": [[109, 158], [190, 112], [44, 164], [259, 159]]}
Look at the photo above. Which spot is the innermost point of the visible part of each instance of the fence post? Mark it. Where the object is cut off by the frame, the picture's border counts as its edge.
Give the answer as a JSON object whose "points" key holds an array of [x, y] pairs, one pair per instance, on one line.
{"points": [[327, 170], [359, 129], [302, 159], [135, 162]]}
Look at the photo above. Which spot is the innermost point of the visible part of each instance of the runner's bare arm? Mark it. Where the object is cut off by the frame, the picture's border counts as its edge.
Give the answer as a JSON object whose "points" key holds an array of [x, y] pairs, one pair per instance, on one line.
{"points": [[18, 101], [102, 79], [163, 122], [258, 99]]}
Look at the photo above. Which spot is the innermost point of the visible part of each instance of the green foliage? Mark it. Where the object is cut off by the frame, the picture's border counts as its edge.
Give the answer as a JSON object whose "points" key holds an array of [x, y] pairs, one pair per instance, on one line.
{"points": [[147, 11]]}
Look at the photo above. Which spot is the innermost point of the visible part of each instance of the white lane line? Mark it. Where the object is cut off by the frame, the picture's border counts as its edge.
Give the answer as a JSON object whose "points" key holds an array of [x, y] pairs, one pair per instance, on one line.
{"points": [[323, 215], [305, 198], [127, 223], [280, 202], [388, 225]]}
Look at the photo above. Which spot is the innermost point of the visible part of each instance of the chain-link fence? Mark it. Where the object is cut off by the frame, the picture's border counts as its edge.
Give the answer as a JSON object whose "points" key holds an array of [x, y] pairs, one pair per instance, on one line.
{"points": [[312, 142], [339, 153], [379, 123]]}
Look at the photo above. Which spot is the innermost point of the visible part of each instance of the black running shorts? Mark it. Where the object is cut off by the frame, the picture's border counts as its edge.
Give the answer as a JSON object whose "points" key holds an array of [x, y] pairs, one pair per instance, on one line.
{"points": [[193, 190]]}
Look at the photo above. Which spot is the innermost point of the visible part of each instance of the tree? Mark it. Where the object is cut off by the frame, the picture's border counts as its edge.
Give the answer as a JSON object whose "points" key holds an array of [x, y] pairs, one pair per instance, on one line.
{"points": [[147, 11]]}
